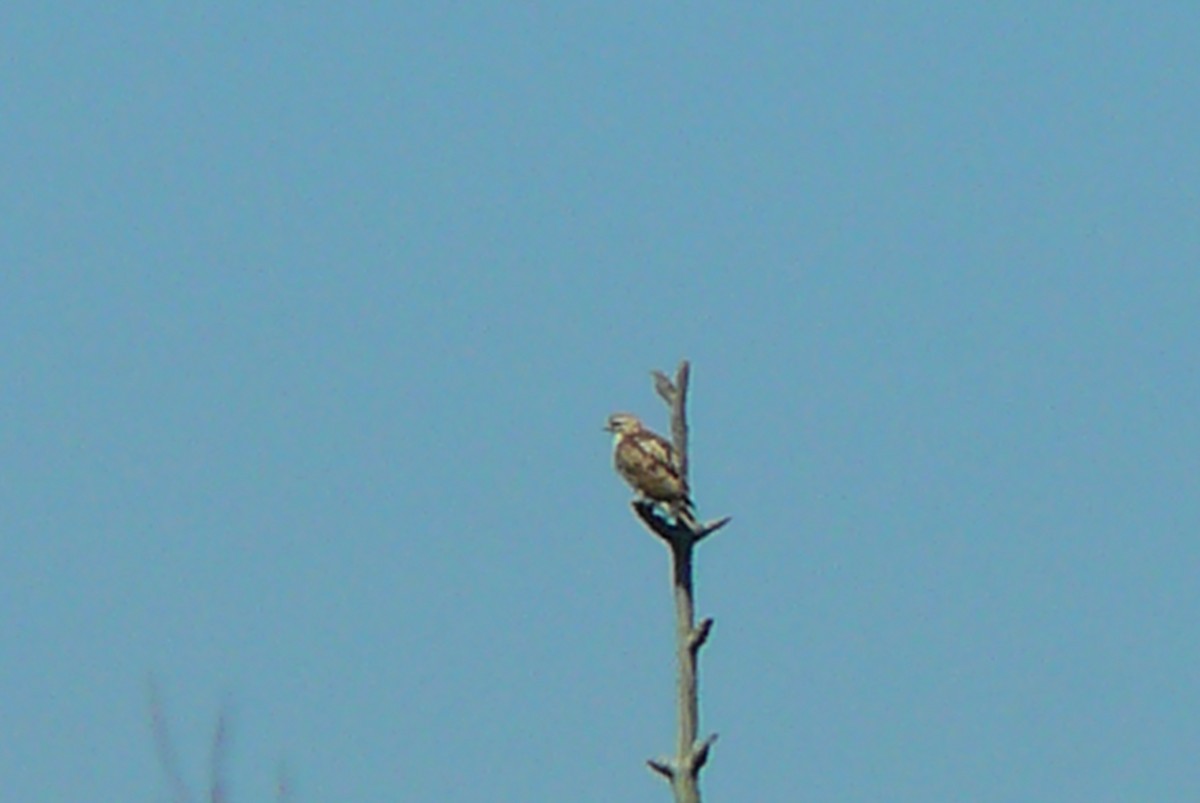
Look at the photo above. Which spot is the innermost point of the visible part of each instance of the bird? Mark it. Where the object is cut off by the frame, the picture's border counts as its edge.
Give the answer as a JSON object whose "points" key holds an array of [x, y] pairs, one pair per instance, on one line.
{"points": [[647, 462]]}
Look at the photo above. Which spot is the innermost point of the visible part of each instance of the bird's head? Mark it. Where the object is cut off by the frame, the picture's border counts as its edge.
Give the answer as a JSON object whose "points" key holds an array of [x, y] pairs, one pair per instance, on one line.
{"points": [[623, 423]]}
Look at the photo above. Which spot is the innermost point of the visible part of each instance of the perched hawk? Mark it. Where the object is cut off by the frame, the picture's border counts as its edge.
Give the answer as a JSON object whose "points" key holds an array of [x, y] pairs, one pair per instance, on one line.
{"points": [[647, 462]]}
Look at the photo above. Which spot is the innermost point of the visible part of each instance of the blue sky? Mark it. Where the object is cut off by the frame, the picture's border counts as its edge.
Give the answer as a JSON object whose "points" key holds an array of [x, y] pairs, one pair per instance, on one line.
{"points": [[310, 319]]}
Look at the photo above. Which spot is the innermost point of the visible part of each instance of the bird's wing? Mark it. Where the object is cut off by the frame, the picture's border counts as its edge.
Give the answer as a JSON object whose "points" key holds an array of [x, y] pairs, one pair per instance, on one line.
{"points": [[647, 462]]}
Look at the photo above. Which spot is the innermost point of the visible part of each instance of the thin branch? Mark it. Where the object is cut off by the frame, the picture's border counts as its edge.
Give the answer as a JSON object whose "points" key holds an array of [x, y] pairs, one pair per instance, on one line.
{"points": [[711, 527], [664, 387], [700, 635], [218, 790], [700, 753], [662, 768], [679, 428], [163, 745]]}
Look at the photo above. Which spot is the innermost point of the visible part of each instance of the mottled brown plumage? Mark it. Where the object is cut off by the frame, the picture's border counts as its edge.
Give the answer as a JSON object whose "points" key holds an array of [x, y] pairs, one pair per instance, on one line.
{"points": [[647, 462]]}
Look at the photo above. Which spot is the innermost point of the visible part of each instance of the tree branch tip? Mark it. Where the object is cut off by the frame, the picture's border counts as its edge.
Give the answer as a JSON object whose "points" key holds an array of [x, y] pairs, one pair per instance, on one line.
{"points": [[700, 754], [711, 527], [664, 387], [700, 635], [662, 768]]}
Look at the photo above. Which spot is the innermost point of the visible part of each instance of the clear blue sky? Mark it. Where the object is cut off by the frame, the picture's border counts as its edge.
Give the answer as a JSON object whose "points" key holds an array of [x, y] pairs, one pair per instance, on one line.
{"points": [[310, 320]]}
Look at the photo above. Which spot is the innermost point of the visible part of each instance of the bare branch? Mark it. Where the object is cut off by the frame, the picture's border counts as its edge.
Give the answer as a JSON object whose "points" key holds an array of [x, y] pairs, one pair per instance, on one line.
{"points": [[163, 745], [679, 428], [682, 532], [218, 791], [662, 768], [708, 528], [700, 635], [700, 754], [664, 387]]}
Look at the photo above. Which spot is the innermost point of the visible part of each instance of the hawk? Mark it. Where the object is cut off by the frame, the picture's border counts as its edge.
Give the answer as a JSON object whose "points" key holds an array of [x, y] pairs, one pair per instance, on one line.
{"points": [[647, 462]]}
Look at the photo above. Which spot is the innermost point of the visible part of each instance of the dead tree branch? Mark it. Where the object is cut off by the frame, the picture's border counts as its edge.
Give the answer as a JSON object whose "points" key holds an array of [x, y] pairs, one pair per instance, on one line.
{"points": [[218, 786], [169, 760], [163, 745], [681, 535]]}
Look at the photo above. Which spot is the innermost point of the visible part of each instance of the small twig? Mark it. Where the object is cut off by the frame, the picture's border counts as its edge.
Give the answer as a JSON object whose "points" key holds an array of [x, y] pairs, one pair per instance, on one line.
{"points": [[700, 754], [662, 768], [163, 745], [700, 635], [664, 387], [711, 527], [218, 791]]}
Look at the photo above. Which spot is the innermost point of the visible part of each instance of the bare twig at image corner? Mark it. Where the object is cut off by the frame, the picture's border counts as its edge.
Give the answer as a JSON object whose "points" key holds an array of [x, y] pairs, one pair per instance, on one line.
{"points": [[163, 745], [169, 761]]}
